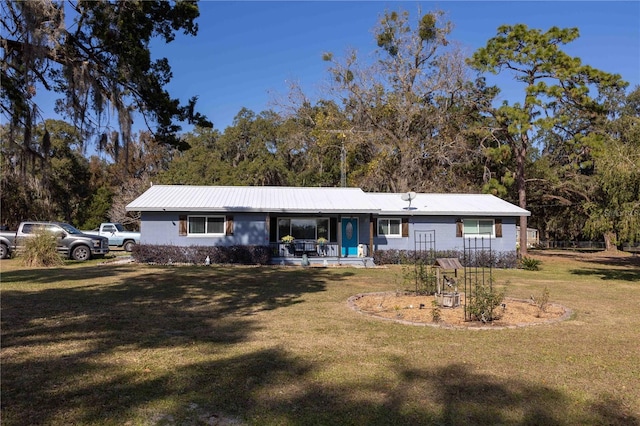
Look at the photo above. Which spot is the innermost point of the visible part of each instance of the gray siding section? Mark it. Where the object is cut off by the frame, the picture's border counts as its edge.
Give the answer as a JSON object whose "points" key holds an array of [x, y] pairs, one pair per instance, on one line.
{"points": [[251, 229], [163, 228], [445, 235]]}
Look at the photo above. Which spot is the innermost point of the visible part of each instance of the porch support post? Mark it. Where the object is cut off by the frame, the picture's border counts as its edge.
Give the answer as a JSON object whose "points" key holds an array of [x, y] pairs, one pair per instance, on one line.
{"points": [[267, 227], [370, 235], [339, 237]]}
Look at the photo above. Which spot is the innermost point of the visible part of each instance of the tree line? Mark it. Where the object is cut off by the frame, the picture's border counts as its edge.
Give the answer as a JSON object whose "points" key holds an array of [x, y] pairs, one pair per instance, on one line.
{"points": [[419, 117]]}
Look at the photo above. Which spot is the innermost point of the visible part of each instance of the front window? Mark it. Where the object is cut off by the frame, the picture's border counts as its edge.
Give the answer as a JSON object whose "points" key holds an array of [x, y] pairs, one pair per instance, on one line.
{"points": [[390, 227], [479, 227], [303, 228], [206, 225]]}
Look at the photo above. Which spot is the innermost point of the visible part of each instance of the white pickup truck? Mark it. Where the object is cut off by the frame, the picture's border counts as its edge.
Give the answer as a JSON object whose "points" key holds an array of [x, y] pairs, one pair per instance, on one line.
{"points": [[117, 235]]}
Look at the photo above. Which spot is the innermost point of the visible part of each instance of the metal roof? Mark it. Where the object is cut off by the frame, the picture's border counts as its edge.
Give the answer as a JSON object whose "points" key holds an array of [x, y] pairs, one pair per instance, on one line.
{"points": [[253, 199], [316, 200], [445, 205]]}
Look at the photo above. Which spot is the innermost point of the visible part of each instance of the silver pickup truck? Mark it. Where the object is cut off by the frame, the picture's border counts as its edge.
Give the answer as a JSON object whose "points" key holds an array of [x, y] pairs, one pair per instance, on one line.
{"points": [[71, 242]]}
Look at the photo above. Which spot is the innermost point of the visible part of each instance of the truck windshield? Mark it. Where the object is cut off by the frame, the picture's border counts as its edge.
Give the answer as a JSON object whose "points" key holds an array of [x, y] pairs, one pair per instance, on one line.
{"points": [[119, 227], [69, 229]]}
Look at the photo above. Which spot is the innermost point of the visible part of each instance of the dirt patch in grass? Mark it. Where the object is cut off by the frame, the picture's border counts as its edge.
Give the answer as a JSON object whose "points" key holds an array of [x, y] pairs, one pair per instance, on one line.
{"points": [[419, 310]]}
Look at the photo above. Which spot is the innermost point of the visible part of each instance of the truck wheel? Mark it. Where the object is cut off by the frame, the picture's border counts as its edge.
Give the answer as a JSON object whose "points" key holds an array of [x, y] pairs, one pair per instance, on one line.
{"points": [[128, 245], [81, 253], [4, 251]]}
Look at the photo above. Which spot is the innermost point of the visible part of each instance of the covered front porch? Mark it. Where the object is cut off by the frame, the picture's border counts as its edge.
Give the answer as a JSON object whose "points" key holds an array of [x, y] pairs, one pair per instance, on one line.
{"points": [[324, 239], [312, 253]]}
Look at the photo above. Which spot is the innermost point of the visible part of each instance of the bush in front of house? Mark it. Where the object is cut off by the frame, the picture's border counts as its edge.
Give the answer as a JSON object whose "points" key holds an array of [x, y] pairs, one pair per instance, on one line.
{"points": [[169, 254], [506, 259], [400, 257]]}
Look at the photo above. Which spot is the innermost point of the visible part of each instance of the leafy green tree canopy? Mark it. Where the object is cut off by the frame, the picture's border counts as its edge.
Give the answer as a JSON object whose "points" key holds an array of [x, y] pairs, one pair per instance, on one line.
{"points": [[614, 207], [561, 95]]}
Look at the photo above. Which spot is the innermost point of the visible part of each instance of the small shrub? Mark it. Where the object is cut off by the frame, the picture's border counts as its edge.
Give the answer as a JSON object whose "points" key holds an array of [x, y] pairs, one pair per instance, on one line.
{"points": [[482, 305], [542, 302], [530, 264], [41, 250], [397, 308]]}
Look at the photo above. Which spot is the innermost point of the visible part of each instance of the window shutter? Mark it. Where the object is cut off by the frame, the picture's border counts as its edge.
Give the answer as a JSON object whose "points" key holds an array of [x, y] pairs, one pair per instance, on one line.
{"points": [[405, 227], [182, 226], [229, 230], [273, 228], [459, 227], [375, 227], [498, 228]]}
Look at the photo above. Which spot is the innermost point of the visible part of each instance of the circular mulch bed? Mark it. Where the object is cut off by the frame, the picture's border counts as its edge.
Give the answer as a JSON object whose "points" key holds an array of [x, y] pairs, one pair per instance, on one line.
{"points": [[414, 309]]}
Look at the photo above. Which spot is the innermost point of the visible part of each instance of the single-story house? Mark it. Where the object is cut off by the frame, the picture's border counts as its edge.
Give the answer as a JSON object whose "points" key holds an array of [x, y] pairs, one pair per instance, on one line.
{"points": [[326, 224]]}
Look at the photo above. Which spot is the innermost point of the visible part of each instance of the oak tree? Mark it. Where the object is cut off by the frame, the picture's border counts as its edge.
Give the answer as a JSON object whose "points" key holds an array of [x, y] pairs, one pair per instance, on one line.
{"points": [[410, 108], [96, 57]]}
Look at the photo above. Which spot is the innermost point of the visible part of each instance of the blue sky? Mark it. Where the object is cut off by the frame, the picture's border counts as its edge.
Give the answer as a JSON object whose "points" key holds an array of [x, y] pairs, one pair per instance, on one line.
{"points": [[245, 52]]}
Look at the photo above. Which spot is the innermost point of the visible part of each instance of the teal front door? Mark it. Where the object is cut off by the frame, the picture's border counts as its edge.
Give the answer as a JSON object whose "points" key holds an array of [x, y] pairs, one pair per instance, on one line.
{"points": [[349, 237]]}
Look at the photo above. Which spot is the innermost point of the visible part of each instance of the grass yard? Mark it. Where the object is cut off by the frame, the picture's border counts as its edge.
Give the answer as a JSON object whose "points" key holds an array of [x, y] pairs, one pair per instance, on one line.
{"points": [[141, 345]]}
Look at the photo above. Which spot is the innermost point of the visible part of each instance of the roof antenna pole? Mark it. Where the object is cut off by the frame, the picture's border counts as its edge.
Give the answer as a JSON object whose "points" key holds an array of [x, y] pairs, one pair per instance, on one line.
{"points": [[343, 172]]}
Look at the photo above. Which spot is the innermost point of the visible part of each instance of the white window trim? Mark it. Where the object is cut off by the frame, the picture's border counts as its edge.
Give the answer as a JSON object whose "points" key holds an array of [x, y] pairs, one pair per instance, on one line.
{"points": [[493, 228], [205, 234], [389, 219]]}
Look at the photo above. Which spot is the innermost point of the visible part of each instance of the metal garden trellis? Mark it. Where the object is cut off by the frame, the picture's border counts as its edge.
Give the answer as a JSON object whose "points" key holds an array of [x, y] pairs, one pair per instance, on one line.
{"points": [[425, 257], [478, 268]]}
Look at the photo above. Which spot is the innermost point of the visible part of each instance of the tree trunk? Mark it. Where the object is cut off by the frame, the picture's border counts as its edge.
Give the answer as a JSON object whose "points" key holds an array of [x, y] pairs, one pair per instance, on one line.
{"points": [[521, 152], [609, 238], [522, 237]]}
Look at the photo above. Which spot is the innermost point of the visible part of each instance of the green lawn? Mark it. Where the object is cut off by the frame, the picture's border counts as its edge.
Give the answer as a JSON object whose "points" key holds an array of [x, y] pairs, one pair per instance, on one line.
{"points": [[131, 344]]}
